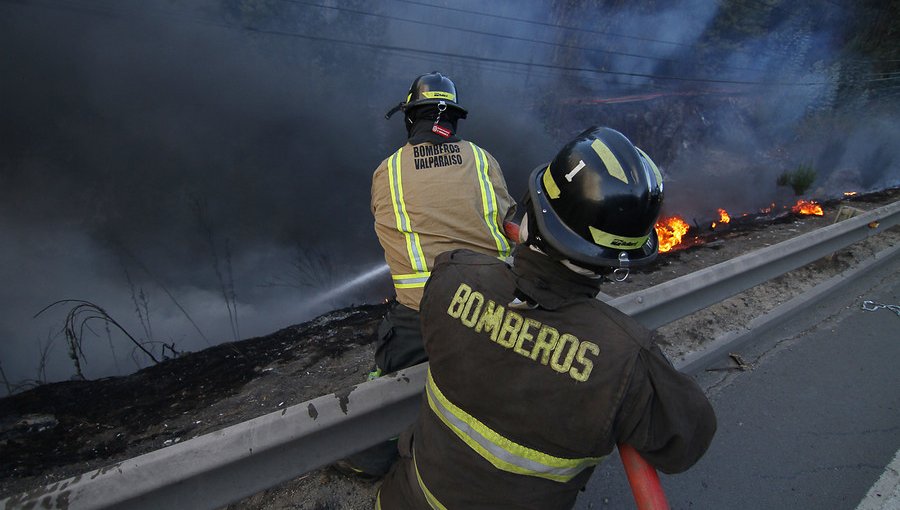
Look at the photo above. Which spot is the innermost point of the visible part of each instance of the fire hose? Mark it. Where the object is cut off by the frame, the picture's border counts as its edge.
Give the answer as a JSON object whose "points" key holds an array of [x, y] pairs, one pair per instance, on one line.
{"points": [[642, 477]]}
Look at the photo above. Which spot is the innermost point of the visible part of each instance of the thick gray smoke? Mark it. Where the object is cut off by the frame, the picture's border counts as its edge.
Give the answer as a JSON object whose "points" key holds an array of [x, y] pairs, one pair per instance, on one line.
{"points": [[200, 169]]}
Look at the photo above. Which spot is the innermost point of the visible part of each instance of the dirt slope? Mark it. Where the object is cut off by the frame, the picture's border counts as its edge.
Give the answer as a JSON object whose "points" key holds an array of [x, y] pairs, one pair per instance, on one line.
{"points": [[60, 430]]}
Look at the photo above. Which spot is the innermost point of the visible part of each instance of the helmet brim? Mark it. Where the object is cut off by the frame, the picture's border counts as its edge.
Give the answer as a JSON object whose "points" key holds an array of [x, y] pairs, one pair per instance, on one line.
{"points": [[572, 246], [463, 113]]}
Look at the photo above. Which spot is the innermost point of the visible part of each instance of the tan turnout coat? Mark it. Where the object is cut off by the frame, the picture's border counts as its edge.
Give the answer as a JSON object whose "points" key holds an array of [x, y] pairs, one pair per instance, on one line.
{"points": [[430, 198]]}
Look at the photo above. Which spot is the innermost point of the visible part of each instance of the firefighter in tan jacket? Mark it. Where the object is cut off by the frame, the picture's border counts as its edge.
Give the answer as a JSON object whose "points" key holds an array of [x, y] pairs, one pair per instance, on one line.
{"points": [[436, 193]]}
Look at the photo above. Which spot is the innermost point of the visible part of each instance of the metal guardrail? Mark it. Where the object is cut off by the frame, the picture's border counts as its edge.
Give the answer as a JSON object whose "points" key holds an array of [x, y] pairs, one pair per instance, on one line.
{"points": [[674, 299], [215, 469]]}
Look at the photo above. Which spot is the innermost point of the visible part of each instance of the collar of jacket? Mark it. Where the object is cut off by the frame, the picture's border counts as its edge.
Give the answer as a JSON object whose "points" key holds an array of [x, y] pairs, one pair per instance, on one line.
{"points": [[548, 283], [421, 132]]}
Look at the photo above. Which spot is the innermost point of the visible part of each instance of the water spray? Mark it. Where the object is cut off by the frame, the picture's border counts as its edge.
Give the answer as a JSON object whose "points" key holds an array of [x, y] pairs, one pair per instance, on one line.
{"points": [[352, 283]]}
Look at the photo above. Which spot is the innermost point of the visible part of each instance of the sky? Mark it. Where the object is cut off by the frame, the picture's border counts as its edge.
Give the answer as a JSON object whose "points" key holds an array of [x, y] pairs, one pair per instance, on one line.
{"points": [[200, 169]]}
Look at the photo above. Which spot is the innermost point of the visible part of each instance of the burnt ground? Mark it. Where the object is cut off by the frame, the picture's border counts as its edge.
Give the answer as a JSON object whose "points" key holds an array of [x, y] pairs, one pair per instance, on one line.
{"points": [[60, 430]]}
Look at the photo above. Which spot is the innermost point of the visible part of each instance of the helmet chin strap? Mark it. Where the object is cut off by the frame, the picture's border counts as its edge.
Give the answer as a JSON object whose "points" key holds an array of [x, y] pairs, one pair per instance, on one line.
{"points": [[582, 271], [620, 274], [523, 236], [394, 110]]}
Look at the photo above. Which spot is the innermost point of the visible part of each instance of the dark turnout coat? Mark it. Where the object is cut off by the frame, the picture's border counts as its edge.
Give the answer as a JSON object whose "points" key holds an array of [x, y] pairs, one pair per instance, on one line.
{"points": [[532, 382]]}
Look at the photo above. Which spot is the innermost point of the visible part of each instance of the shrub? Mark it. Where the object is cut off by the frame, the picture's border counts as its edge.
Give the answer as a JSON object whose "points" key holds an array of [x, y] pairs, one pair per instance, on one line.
{"points": [[799, 179]]}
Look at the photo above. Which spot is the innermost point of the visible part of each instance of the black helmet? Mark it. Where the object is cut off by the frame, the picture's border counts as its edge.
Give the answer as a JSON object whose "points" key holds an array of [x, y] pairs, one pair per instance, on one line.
{"points": [[596, 203], [430, 89]]}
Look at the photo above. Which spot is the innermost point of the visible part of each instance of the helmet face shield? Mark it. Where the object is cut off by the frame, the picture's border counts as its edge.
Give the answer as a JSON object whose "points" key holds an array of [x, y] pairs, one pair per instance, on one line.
{"points": [[597, 202]]}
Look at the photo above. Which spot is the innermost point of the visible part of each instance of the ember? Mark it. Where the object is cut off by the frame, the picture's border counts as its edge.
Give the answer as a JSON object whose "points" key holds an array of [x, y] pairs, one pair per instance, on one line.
{"points": [[723, 218], [808, 207], [670, 231]]}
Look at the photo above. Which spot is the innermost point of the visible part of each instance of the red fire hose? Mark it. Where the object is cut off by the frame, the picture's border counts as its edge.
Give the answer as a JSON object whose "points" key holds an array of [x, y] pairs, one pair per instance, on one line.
{"points": [[645, 486], [644, 481], [512, 230]]}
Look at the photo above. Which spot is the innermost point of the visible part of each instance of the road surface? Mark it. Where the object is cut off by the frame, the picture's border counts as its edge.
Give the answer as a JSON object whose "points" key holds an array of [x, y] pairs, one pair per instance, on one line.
{"points": [[815, 422]]}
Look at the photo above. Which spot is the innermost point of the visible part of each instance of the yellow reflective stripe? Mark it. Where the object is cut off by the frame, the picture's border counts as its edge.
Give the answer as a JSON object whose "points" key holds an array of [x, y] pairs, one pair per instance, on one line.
{"points": [[653, 166], [408, 281], [616, 242], [378, 499], [489, 201], [432, 501], [609, 160], [503, 453], [409, 285], [438, 94], [413, 246], [550, 184]]}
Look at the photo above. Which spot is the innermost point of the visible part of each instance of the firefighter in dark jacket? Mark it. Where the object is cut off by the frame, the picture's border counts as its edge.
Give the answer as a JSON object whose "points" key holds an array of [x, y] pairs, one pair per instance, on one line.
{"points": [[533, 381]]}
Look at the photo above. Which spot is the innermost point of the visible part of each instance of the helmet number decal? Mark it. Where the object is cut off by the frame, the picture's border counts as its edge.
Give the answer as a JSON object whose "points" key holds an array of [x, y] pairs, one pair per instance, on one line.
{"points": [[575, 170]]}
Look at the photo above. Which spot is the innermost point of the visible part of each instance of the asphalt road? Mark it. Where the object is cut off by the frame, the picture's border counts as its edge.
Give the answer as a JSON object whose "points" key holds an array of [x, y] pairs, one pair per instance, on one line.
{"points": [[812, 425]]}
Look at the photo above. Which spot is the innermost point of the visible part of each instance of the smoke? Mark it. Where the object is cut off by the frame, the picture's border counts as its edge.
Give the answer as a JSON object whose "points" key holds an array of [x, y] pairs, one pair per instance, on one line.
{"points": [[161, 149], [168, 160], [777, 91]]}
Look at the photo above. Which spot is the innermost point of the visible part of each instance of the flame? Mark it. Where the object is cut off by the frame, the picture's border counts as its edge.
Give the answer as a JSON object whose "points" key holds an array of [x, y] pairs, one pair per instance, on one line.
{"points": [[767, 210], [723, 218], [808, 207], [850, 193], [670, 231]]}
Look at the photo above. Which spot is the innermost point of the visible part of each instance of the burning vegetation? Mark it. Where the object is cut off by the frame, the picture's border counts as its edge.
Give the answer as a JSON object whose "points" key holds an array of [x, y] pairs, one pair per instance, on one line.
{"points": [[673, 230], [808, 207], [723, 218]]}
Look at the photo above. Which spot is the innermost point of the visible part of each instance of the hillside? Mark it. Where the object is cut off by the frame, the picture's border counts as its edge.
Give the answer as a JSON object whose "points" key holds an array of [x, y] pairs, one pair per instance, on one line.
{"points": [[63, 429]]}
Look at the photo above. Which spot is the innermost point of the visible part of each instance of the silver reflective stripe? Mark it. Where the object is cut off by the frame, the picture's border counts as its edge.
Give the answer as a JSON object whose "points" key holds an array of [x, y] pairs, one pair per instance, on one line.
{"points": [[411, 281], [500, 451]]}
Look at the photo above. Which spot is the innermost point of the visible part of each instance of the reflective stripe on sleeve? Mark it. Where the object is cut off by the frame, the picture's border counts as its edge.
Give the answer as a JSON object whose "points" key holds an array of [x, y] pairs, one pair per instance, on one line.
{"points": [[489, 201], [432, 501], [410, 281], [503, 453], [413, 246]]}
